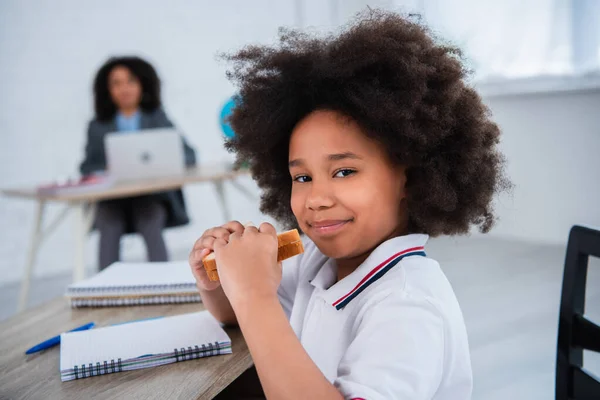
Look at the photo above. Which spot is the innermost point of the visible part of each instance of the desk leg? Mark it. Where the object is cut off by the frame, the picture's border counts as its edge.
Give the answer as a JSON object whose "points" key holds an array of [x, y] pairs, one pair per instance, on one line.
{"points": [[36, 239], [80, 233], [219, 187], [90, 214]]}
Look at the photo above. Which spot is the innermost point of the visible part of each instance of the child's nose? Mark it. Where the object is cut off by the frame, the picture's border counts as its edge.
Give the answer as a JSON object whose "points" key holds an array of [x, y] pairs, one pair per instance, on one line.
{"points": [[320, 196]]}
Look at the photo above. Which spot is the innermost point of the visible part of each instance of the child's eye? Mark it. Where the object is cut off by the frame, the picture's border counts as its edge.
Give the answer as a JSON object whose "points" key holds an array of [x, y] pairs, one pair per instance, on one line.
{"points": [[302, 178], [342, 173]]}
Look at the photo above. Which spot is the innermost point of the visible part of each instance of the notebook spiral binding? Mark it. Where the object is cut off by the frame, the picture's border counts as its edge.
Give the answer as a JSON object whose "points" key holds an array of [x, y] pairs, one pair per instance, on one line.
{"points": [[91, 370], [183, 354], [143, 288], [124, 301]]}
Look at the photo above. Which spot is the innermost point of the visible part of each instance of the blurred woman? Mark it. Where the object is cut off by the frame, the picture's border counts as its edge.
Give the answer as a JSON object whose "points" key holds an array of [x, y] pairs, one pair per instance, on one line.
{"points": [[127, 99]]}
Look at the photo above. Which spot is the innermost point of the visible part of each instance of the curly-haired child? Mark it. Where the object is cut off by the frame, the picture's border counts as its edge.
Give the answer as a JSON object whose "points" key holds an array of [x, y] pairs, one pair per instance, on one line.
{"points": [[369, 141]]}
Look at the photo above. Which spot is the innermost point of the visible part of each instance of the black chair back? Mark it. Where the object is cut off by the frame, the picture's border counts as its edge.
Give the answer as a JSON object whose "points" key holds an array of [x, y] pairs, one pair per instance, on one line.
{"points": [[575, 332]]}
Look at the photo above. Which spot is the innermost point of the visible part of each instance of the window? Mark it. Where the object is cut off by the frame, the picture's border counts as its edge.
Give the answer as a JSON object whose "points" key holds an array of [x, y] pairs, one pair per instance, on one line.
{"points": [[539, 44]]}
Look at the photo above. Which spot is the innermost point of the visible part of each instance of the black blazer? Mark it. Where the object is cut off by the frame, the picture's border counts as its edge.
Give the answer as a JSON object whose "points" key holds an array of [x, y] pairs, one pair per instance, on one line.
{"points": [[95, 160]]}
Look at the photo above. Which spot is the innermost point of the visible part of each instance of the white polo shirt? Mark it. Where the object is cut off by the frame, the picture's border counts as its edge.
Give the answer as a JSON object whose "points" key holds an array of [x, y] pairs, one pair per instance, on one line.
{"points": [[392, 329]]}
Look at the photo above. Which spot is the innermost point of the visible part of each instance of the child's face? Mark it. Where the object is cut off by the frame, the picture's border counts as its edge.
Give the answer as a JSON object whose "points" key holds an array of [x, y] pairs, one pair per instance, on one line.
{"points": [[346, 194]]}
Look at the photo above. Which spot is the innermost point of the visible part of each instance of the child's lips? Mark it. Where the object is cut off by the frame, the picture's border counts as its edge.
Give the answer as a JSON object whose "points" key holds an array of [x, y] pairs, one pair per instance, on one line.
{"points": [[326, 227]]}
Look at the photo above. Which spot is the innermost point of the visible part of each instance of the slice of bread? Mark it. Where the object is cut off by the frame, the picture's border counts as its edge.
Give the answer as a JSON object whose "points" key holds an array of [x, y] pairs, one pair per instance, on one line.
{"points": [[288, 245]]}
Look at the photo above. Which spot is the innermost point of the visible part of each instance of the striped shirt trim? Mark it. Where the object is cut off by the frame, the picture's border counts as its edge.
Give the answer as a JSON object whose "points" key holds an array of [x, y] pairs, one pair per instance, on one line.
{"points": [[376, 273]]}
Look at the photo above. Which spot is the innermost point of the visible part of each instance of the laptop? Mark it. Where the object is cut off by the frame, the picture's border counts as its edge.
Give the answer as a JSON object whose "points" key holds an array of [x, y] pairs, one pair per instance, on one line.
{"points": [[144, 154]]}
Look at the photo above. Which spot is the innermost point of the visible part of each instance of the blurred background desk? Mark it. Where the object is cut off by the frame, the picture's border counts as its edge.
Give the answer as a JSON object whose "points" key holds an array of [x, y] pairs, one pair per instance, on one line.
{"points": [[83, 205]]}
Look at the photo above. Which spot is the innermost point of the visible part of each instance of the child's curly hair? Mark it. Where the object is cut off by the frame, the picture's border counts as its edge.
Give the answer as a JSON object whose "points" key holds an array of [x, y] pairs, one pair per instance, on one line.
{"points": [[404, 90]]}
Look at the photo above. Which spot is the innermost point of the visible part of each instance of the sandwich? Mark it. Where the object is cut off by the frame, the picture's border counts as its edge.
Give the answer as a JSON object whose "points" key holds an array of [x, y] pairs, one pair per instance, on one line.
{"points": [[288, 245]]}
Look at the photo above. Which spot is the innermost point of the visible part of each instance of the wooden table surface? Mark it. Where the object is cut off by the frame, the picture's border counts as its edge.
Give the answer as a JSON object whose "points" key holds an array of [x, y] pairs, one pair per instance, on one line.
{"points": [[202, 173], [37, 376]]}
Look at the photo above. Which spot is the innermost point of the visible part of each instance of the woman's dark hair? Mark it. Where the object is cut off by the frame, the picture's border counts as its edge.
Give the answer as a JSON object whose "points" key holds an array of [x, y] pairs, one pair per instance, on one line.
{"points": [[103, 104], [404, 90]]}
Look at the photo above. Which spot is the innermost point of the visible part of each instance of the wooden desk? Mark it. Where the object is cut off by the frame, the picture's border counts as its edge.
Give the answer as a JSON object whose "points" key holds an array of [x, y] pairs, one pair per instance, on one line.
{"points": [[37, 376], [83, 204]]}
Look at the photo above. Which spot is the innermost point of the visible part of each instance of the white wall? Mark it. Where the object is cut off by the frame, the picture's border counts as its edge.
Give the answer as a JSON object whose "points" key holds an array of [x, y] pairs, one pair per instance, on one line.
{"points": [[49, 53], [552, 143]]}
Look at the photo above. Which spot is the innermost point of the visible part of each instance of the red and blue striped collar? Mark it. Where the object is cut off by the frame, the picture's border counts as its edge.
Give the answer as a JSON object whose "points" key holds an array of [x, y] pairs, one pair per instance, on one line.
{"points": [[379, 262]]}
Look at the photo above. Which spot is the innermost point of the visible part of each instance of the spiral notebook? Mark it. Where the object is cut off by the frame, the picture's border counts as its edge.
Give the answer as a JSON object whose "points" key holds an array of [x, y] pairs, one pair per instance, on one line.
{"points": [[124, 284], [142, 344]]}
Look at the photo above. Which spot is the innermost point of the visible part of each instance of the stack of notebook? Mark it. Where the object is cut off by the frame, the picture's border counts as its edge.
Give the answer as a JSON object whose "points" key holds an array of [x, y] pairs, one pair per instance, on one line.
{"points": [[86, 184], [141, 344], [125, 284]]}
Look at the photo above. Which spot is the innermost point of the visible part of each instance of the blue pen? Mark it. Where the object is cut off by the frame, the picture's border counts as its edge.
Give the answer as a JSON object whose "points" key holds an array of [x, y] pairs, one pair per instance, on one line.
{"points": [[56, 339]]}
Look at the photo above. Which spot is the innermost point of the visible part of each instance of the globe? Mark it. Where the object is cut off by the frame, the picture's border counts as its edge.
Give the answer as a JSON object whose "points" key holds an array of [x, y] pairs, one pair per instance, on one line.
{"points": [[226, 111]]}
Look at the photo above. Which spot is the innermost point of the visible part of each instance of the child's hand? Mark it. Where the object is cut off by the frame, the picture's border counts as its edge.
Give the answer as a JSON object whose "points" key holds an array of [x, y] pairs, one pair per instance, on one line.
{"points": [[204, 246], [247, 264]]}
